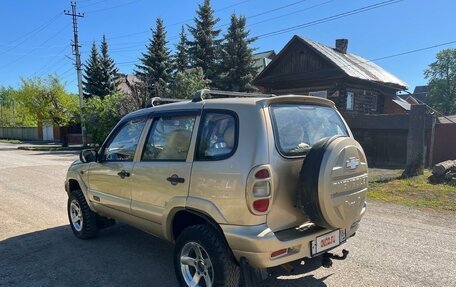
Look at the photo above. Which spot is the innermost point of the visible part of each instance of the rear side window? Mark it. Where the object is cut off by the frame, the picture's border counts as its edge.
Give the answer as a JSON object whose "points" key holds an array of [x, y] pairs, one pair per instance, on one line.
{"points": [[218, 136], [169, 139], [297, 126]]}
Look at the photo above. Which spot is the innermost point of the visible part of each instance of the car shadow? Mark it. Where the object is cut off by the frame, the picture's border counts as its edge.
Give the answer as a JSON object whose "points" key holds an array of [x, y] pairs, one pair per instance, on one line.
{"points": [[299, 276], [119, 256]]}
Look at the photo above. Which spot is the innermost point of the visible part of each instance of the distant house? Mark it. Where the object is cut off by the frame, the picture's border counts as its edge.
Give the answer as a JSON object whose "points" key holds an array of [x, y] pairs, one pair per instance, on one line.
{"points": [[126, 83], [419, 96], [355, 84], [263, 59], [421, 93]]}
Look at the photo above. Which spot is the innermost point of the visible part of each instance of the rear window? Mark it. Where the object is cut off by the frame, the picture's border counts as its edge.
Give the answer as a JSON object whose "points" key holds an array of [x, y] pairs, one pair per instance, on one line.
{"points": [[298, 126]]}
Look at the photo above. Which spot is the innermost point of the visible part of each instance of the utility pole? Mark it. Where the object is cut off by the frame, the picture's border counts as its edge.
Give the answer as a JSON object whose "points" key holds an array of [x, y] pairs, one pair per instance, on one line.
{"points": [[76, 47]]}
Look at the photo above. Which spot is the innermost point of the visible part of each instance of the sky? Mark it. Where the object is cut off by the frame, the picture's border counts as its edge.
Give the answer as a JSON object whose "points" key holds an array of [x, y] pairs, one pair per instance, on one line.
{"points": [[35, 35]]}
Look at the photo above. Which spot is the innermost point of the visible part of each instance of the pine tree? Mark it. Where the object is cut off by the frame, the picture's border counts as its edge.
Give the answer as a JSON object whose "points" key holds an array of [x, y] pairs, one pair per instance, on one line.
{"points": [[237, 57], [92, 69], [181, 57], [204, 49], [108, 71], [155, 68]]}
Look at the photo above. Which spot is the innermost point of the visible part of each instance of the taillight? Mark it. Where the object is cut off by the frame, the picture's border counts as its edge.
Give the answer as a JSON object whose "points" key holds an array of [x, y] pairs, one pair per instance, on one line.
{"points": [[261, 205], [259, 190], [262, 174]]}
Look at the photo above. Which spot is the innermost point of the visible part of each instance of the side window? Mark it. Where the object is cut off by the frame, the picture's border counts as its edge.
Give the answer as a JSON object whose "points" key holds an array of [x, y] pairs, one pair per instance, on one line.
{"points": [[218, 136], [169, 138], [123, 146]]}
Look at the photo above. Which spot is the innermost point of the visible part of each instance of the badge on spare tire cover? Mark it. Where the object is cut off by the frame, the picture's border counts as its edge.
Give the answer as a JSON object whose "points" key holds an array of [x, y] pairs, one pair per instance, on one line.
{"points": [[333, 182]]}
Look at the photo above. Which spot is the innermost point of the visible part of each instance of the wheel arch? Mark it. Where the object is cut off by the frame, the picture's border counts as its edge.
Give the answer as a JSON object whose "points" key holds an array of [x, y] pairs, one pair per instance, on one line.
{"points": [[186, 217]]}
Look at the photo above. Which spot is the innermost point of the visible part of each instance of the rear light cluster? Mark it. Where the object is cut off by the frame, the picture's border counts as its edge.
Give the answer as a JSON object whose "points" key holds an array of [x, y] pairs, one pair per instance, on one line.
{"points": [[259, 193]]}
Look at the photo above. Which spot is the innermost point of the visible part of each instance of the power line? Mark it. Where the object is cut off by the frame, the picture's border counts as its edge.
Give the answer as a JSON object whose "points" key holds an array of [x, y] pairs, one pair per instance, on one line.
{"points": [[31, 34], [92, 4], [48, 63], [113, 7], [179, 22], [330, 18], [30, 52], [288, 14]]}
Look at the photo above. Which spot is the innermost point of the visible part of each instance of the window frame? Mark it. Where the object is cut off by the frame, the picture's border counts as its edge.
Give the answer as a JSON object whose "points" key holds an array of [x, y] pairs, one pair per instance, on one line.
{"points": [[115, 132], [156, 116], [197, 156], [374, 101], [352, 108]]}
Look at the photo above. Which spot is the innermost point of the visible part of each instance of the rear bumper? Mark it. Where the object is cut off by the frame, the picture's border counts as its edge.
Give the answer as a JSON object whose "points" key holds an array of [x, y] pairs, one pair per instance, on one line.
{"points": [[256, 243]]}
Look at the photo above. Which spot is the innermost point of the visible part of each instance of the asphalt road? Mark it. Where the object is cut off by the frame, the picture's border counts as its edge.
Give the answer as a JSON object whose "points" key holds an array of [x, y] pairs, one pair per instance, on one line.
{"points": [[395, 246]]}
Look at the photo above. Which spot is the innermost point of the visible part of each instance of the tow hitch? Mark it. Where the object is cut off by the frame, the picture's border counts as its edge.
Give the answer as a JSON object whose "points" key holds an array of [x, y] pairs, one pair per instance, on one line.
{"points": [[327, 257]]}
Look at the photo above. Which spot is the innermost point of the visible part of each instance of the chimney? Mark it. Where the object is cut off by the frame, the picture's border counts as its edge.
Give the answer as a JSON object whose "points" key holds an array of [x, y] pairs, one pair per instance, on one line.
{"points": [[342, 45]]}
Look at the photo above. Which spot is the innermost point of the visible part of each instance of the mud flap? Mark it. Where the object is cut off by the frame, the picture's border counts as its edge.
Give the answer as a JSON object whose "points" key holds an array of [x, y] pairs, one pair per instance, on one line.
{"points": [[251, 277]]}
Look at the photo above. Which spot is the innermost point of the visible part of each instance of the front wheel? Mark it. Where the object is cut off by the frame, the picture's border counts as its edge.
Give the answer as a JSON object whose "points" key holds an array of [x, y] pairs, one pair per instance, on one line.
{"points": [[83, 221], [202, 258]]}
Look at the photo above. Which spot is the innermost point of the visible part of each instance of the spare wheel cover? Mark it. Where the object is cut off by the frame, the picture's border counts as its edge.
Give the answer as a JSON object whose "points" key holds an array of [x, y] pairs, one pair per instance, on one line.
{"points": [[333, 182]]}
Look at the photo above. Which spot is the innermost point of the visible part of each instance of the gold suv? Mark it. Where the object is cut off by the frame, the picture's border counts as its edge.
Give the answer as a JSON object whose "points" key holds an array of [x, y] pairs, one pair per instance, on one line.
{"points": [[237, 181]]}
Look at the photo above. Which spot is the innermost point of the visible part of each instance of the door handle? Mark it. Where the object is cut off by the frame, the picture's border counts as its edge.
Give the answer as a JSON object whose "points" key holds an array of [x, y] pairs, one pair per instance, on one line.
{"points": [[123, 174], [175, 179]]}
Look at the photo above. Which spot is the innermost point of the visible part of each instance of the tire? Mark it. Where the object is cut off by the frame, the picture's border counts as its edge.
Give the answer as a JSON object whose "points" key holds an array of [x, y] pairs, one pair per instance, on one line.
{"points": [[224, 270], [333, 182], [83, 221]]}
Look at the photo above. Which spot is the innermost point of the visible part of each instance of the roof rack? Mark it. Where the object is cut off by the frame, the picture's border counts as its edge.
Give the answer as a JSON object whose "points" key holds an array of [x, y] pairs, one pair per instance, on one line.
{"points": [[157, 101], [214, 94]]}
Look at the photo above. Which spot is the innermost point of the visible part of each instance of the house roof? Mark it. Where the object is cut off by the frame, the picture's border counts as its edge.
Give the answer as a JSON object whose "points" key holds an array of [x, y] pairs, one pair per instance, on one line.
{"points": [[267, 54], [402, 103], [447, 119], [125, 82], [356, 66], [350, 64]]}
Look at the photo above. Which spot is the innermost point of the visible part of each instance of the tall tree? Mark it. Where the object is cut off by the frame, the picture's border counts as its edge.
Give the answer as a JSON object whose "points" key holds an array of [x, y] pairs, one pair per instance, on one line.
{"points": [[48, 99], [108, 71], [92, 74], [442, 82], [205, 47], [155, 67], [187, 82], [181, 57], [237, 57]]}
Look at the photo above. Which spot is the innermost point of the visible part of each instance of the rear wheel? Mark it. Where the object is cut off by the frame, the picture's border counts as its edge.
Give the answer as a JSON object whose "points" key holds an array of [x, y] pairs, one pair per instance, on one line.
{"points": [[201, 258], [83, 221]]}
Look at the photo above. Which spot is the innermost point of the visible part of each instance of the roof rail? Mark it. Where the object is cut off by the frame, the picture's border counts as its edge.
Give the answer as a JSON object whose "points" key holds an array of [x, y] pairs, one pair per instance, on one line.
{"points": [[156, 101], [214, 94]]}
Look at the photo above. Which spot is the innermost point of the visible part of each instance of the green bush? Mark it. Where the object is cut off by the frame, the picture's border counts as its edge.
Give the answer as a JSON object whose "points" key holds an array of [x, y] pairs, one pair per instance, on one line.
{"points": [[101, 115]]}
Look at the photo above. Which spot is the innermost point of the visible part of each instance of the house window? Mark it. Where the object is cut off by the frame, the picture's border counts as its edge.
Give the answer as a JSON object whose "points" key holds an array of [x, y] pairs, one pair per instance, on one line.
{"points": [[320, 94], [374, 103], [350, 101]]}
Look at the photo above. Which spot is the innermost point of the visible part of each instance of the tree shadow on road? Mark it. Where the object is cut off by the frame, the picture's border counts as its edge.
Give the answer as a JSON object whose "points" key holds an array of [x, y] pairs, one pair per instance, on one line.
{"points": [[119, 256]]}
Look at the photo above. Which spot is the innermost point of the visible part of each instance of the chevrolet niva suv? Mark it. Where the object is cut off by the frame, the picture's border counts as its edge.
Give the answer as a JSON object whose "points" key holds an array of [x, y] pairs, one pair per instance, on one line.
{"points": [[237, 181]]}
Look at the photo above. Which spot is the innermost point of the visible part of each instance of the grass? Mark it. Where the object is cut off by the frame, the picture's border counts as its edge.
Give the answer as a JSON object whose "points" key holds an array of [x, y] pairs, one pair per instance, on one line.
{"points": [[10, 141], [415, 191]]}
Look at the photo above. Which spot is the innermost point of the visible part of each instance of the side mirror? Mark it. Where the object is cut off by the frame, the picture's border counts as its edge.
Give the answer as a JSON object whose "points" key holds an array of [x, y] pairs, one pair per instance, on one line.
{"points": [[88, 155]]}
